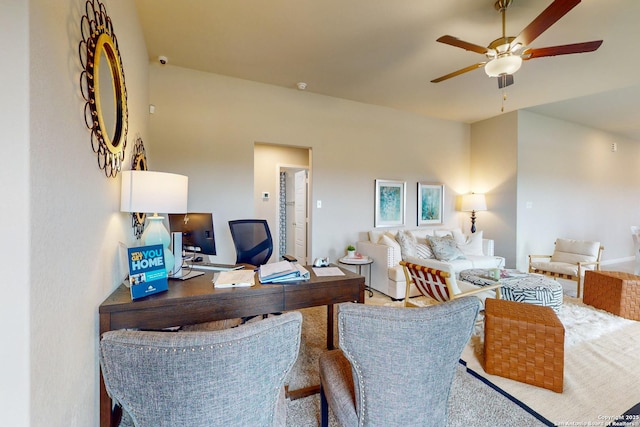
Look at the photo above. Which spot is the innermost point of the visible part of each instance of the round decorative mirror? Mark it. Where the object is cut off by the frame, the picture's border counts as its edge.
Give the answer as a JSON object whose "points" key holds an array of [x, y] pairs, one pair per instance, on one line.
{"points": [[103, 88], [138, 163]]}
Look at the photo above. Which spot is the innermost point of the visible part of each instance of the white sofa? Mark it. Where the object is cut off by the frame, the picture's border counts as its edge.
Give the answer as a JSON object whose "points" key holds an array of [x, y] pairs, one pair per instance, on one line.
{"points": [[384, 248]]}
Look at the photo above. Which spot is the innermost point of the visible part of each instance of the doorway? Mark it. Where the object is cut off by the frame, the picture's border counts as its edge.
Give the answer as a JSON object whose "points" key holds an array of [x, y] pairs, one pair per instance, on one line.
{"points": [[274, 179], [293, 217]]}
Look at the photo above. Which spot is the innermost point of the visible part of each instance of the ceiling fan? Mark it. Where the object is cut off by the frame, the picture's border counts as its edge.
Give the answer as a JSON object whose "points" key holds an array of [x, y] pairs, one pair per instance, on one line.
{"points": [[505, 54]]}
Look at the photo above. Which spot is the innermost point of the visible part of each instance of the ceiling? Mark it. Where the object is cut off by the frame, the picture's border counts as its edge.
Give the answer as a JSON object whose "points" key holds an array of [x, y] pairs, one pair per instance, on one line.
{"points": [[384, 52]]}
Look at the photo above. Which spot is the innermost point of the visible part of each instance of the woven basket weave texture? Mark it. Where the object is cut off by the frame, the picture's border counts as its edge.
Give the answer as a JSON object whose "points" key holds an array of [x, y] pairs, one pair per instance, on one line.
{"points": [[613, 291], [524, 342]]}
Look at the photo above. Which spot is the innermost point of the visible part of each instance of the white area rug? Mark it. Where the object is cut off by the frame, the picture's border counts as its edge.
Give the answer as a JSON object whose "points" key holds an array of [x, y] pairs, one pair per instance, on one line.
{"points": [[601, 371]]}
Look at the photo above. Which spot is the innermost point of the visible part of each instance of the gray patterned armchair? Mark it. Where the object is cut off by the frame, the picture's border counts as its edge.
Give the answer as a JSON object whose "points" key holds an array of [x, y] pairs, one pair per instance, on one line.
{"points": [[361, 382], [233, 377]]}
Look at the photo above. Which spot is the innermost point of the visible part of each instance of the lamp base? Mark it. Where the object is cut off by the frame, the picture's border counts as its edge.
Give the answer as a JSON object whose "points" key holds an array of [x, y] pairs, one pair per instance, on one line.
{"points": [[156, 234], [473, 222]]}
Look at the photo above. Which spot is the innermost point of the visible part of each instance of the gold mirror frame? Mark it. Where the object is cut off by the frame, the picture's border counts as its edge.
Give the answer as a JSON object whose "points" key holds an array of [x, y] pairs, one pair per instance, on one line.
{"points": [[138, 163], [99, 43]]}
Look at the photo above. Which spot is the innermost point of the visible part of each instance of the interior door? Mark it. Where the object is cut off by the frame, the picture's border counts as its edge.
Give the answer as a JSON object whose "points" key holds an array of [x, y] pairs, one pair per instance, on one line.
{"points": [[300, 216]]}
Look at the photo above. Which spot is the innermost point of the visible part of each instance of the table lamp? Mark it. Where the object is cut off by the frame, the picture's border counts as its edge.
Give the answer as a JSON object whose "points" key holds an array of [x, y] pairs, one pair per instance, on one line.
{"points": [[472, 203], [155, 192]]}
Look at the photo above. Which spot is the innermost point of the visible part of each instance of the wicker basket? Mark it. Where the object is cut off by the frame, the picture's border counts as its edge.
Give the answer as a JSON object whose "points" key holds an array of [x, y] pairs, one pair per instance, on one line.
{"points": [[613, 291], [524, 342]]}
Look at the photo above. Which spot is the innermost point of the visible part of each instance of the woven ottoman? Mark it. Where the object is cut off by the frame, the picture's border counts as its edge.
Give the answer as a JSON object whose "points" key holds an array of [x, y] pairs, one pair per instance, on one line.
{"points": [[613, 291], [524, 342]]}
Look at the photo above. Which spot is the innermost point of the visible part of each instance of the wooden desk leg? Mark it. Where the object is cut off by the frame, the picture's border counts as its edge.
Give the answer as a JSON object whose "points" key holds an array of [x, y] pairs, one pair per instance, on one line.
{"points": [[106, 415], [105, 405]]}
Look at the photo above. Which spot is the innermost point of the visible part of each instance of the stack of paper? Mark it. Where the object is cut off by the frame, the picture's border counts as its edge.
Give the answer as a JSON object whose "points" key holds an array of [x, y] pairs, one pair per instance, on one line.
{"points": [[234, 278], [281, 272]]}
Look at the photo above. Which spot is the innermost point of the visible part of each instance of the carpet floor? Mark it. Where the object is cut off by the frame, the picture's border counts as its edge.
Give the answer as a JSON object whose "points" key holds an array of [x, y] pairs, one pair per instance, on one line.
{"points": [[601, 370]]}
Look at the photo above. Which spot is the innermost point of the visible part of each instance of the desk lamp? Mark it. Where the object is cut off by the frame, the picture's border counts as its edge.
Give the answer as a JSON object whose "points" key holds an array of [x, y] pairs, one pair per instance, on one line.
{"points": [[472, 203], [153, 192]]}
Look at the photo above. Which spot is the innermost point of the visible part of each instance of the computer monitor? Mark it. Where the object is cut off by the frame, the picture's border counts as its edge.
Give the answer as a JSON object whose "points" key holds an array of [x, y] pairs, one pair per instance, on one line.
{"points": [[197, 231]]}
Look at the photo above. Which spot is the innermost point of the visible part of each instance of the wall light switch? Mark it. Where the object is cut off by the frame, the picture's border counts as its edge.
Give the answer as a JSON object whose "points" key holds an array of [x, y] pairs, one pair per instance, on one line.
{"points": [[265, 195], [529, 205], [319, 204]]}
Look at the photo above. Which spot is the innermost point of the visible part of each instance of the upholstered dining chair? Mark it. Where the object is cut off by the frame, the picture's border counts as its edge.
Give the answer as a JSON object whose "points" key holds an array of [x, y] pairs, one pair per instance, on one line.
{"points": [[570, 259], [441, 285], [635, 233], [212, 378], [356, 381]]}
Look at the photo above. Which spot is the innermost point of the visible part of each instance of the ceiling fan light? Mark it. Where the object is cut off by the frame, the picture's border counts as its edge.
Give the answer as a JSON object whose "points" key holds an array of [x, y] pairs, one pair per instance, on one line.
{"points": [[503, 65]]}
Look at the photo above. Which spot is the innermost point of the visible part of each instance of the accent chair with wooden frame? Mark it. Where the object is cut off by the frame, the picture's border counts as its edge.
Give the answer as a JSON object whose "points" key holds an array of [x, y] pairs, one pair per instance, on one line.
{"points": [[570, 259], [441, 285]]}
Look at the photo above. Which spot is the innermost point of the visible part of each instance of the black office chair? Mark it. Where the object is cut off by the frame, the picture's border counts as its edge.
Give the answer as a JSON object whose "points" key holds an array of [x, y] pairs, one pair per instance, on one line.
{"points": [[254, 245], [252, 239]]}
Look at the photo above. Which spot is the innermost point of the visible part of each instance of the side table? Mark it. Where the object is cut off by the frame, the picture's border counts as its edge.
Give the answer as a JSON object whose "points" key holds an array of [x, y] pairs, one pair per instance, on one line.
{"points": [[359, 262]]}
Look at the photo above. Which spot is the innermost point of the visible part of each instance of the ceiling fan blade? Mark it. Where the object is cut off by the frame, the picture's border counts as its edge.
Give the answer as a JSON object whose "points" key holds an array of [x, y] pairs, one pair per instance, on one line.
{"points": [[457, 73], [547, 18], [453, 41], [565, 49]]}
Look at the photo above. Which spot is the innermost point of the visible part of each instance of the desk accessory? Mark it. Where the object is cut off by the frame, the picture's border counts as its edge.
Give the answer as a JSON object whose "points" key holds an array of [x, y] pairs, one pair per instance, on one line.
{"points": [[321, 262], [147, 272], [283, 271], [234, 279]]}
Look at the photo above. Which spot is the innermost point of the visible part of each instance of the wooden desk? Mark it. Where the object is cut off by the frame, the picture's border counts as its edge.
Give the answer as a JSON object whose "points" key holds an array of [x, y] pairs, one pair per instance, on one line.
{"points": [[197, 301]]}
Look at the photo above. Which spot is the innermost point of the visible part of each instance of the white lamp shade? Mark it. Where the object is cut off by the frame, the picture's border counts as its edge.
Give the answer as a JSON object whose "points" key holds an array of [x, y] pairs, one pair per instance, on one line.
{"points": [[153, 192], [508, 64], [473, 202]]}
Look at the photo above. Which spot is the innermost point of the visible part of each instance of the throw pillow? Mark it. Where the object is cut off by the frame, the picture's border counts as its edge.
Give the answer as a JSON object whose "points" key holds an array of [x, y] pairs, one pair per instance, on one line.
{"points": [[424, 251], [471, 245], [443, 233], [407, 242], [391, 242], [445, 248]]}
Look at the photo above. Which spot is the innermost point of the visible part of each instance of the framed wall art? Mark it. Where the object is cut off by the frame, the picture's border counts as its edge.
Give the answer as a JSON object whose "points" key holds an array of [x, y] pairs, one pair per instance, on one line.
{"points": [[389, 203], [430, 203]]}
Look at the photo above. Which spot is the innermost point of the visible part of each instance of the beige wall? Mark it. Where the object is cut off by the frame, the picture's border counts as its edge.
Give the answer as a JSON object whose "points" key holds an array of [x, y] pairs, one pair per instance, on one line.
{"points": [[15, 215], [75, 223], [494, 160], [546, 178], [576, 186], [206, 126]]}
